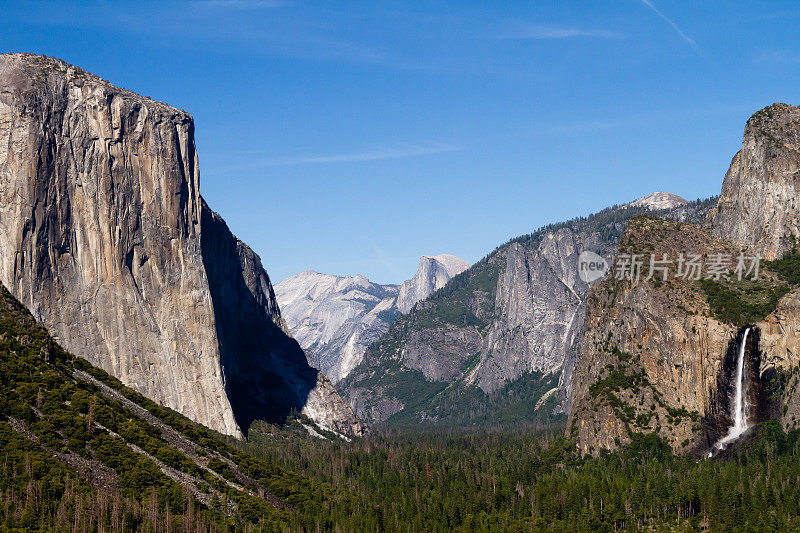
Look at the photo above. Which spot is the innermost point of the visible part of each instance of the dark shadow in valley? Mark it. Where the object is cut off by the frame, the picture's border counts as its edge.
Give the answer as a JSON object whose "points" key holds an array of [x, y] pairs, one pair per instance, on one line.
{"points": [[266, 373]]}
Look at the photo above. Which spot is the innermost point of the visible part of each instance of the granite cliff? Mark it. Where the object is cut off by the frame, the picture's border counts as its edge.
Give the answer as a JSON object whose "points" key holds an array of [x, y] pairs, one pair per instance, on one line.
{"points": [[105, 238], [658, 355], [336, 318], [758, 208], [432, 274], [497, 344]]}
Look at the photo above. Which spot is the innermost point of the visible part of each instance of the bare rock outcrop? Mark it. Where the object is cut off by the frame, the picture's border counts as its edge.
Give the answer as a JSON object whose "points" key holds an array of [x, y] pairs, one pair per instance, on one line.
{"points": [[759, 208], [335, 318], [658, 355], [432, 274], [105, 238], [502, 336], [651, 351]]}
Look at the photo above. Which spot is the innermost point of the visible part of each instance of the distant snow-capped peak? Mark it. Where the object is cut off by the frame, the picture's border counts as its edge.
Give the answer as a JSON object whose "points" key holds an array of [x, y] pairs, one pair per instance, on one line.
{"points": [[659, 200]]}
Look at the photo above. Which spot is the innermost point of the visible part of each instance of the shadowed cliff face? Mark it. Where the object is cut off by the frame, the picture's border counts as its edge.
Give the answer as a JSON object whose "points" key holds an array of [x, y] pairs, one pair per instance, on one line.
{"points": [[266, 373], [762, 388], [102, 237]]}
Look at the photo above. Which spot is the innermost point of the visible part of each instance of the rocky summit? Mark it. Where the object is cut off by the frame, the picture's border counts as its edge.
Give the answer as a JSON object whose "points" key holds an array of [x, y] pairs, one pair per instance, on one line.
{"points": [[105, 238], [660, 200], [660, 355], [335, 318], [432, 274], [497, 344], [758, 208]]}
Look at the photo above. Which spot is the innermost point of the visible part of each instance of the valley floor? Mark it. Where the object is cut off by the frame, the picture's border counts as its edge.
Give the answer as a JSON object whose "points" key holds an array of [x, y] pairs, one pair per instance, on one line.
{"points": [[533, 480]]}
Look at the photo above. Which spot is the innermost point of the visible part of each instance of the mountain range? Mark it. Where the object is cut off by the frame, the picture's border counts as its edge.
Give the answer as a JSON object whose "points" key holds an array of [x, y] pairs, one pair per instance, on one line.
{"points": [[498, 343], [335, 318], [107, 242]]}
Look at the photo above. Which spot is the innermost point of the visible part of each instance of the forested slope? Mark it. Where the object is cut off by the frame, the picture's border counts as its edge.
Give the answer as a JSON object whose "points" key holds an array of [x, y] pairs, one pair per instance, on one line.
{"points": [[80, 450]]}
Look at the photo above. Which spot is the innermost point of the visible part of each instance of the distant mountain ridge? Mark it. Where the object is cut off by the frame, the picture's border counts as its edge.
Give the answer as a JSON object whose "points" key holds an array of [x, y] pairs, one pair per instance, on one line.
{"points": [[498, 343], [335, 318]]}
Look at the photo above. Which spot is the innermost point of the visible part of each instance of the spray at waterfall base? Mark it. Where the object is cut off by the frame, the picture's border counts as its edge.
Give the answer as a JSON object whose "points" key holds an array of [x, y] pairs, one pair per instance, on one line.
{"points": [[744, 394]]}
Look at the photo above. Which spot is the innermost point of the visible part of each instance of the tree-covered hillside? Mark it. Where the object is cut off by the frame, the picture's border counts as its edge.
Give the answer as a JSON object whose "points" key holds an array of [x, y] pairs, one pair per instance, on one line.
{"points": [[81, 452]]}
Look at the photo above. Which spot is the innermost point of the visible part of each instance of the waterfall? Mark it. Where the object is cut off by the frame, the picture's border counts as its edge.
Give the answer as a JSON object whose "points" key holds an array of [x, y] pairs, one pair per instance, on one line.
{"points": [[739, 408]]}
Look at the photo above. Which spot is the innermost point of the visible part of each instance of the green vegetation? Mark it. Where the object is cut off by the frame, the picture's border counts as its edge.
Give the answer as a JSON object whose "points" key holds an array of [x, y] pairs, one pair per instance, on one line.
{"points": [[461, 405], [787, 268], [742, 302], [747, 301], [619, 380], [72, 455], [462, 300], [492, 480], [469, 295], [448, 480], [467, 302]]}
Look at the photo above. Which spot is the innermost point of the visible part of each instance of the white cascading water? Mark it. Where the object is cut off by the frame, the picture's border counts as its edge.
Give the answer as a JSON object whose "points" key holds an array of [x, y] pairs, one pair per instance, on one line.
{"points": [[740, 406]]}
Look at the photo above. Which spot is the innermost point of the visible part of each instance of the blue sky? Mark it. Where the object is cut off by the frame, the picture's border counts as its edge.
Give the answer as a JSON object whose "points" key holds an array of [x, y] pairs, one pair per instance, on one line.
{"points": [[352, 137]]}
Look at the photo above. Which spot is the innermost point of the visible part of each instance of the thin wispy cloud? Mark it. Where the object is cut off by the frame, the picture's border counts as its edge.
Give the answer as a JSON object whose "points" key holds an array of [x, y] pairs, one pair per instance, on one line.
{"points": [[378, 154], [699, 51], [541, 32], [221, 163], [778, 57], [242, 4]]}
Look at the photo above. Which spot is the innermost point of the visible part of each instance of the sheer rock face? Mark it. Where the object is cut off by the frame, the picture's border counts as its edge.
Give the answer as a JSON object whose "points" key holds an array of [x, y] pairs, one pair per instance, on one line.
{"points": [[540, 308], [655, 359], [759, 208], [660, 342], [105, 238], [531, 323], [665, 333], [336, 318], [780, 349], [432, 274], [515, 315]]}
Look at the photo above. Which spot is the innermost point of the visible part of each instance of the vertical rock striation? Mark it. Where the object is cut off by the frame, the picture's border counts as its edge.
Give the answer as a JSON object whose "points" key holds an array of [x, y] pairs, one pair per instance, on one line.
{"points": [[105, 238], [659, 356], [493, 339], [759, 207], [336, 318], [432, 274], [651, 351]]}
